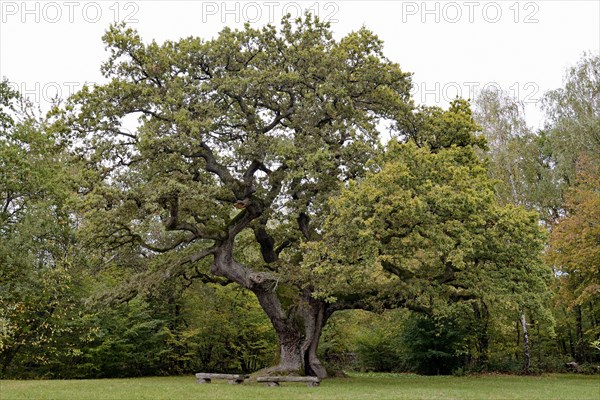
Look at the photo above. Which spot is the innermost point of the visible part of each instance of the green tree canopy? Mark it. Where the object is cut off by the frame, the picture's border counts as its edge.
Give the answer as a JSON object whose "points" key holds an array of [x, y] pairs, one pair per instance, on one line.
{"points": [[429, 223]]}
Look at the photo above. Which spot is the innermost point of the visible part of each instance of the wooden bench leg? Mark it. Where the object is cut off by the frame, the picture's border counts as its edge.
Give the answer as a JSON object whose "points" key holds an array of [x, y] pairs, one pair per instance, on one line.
{"points": [[202, 380]]}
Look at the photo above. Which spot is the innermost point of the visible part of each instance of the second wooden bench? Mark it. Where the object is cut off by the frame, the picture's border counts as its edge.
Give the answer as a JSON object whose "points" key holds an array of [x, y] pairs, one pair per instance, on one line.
{"points": [[275, 380], [234, 379]]}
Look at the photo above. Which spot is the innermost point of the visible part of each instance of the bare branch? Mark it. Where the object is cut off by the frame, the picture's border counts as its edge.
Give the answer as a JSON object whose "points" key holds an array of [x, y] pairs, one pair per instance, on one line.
{"points": [[212, 165], [198, 256]]}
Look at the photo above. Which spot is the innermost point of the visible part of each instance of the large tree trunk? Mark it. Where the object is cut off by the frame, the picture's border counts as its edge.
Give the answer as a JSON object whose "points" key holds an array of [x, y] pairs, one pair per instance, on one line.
{"points": [[297, 317], [298, 330]]}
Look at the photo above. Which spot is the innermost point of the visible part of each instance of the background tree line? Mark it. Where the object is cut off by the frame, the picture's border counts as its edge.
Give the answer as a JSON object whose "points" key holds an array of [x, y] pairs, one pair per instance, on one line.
{"points": [[468, 242]]}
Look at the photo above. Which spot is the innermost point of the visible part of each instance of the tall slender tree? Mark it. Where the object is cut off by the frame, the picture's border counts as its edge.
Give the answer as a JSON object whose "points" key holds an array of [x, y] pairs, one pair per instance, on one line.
{"points": [[36, 239]]}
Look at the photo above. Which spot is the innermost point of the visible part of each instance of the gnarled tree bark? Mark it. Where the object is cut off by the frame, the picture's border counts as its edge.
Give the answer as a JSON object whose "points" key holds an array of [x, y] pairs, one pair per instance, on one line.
{"points": [[298, 325], [298, 330]]}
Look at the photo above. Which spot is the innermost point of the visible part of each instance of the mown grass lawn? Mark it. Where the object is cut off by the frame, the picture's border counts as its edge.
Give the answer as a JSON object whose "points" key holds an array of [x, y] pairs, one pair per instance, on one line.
{"points": [[357, 386]]}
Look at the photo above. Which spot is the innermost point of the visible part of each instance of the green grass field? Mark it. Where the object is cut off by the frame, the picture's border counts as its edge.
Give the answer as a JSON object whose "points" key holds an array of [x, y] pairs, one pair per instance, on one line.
{"points": [[358, 386]]}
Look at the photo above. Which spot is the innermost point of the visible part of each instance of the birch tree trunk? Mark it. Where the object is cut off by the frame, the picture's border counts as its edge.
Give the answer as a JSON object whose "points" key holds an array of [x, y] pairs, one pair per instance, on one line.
{"points": [[526, 354]]}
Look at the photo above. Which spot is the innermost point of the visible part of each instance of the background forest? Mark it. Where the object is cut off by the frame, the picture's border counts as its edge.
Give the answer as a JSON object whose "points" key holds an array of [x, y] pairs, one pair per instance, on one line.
{"points": [[67, 309]]}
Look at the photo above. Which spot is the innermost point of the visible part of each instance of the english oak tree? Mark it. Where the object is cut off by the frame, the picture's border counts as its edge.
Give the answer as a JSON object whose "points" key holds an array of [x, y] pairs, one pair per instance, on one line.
{"points": [[240, 141]]}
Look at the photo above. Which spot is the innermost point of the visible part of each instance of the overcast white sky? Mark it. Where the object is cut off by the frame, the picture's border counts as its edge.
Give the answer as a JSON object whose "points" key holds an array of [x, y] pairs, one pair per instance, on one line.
{"points": [[452, 47]]}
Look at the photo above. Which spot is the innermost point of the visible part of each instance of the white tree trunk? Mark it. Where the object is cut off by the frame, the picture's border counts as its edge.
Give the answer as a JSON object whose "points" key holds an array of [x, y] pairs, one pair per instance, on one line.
{"points": [[527, 356]]}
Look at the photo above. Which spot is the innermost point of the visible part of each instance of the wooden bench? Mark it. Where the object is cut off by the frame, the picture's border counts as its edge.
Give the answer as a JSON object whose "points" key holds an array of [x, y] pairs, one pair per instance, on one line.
{"points": [[275, 380], [233, 379]]}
